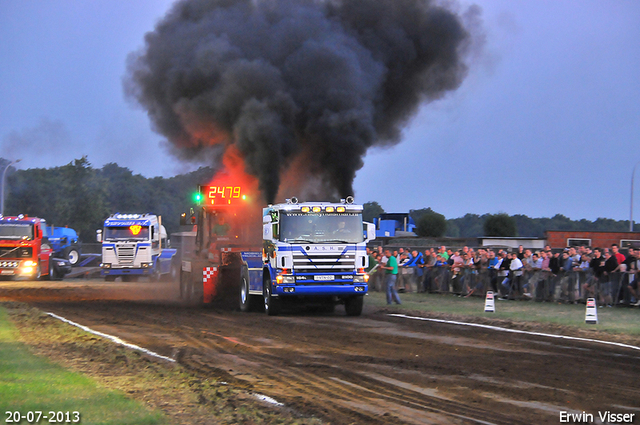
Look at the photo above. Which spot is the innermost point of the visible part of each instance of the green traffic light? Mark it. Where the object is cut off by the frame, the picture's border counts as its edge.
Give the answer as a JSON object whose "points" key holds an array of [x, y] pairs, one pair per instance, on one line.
{"points": [[197, 197]]}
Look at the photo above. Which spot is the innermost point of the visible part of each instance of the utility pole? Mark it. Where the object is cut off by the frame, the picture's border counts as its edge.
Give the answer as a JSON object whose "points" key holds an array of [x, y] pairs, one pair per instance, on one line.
{"points": [[633, 174]]}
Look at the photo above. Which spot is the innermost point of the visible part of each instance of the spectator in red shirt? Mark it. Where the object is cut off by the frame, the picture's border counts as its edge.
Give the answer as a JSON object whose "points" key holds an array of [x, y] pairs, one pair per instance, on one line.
{"points": [[616, 252]]}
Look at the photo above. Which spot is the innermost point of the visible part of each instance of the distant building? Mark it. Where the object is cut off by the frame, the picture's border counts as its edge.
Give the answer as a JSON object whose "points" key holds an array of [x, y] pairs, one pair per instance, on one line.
{"points": [[562, 239]]}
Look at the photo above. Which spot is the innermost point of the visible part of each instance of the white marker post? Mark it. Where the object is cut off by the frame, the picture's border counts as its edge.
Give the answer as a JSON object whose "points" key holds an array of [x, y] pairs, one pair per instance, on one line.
{"points": [[489, 303], [591, 315]]}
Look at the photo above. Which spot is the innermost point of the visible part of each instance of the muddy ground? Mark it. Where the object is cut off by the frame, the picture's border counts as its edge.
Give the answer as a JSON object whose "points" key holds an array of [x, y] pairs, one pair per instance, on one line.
{"points": [[373, 369]]}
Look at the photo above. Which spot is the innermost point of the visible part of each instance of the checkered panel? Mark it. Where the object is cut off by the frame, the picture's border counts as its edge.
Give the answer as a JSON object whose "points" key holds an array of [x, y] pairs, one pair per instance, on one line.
{"points": [[207, 273]]}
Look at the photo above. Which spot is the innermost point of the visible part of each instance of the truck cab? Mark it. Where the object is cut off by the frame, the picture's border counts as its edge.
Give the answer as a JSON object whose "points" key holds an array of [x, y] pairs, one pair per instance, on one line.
{"points": [[315, 250], [25, 252], [134, 245]]}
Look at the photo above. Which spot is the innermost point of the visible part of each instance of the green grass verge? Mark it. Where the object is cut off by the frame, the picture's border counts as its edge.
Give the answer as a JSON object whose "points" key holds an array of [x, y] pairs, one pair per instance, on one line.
{"points": [[32, 383], [617, 320]]}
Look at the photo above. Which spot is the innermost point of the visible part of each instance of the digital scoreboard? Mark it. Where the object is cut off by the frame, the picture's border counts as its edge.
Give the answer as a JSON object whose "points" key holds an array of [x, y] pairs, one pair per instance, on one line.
{"points": [[220, 195]]}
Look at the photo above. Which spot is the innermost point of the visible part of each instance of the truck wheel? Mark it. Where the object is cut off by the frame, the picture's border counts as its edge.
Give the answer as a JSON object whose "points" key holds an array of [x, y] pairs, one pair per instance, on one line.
{"points": [[175, 271], [271, 303], [246, 300], [190, 291], [353, 305], [52, 271], [73, 255], [109, 278], [196, 297], [184, 286]]}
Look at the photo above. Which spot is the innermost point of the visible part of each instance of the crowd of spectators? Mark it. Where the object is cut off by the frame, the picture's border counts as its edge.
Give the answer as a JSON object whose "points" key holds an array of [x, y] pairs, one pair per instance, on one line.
{"points": [[570, 275]]}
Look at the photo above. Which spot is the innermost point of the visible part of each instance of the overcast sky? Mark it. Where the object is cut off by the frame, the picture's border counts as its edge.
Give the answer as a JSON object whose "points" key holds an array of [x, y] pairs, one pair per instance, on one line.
{"points": [[547, 121]]}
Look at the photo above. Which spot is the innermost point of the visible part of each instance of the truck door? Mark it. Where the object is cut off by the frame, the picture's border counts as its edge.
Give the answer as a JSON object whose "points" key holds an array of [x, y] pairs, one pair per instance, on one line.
{"points": [[44, 249]]}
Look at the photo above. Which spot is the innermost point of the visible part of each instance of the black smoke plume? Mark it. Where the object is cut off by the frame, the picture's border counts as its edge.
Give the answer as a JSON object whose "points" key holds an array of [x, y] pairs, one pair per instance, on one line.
{"points": [[288, 79]]}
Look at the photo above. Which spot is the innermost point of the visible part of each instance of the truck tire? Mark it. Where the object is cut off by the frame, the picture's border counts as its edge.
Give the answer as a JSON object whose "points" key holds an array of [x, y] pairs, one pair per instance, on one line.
{"points": [[247, 301], [184, 285], [110, 278], [174, 276], [72, 254], [271, 303], [353, 305], [52, 271], [196, 296], [190, 291]]}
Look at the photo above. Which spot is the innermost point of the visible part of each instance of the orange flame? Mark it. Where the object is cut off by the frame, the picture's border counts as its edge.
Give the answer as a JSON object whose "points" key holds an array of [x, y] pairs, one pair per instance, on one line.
{"points": [[245, 217], [234, 174]]}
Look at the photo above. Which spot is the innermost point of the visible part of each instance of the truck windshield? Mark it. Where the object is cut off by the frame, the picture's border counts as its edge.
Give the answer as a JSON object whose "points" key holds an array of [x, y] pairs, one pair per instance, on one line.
{"points": [[16, 231], [321, 227], [126, 233]]}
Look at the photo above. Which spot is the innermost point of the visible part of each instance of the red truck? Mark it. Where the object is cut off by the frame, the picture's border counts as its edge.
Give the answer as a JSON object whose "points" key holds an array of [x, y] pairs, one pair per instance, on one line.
{"points": [[25, 252]]}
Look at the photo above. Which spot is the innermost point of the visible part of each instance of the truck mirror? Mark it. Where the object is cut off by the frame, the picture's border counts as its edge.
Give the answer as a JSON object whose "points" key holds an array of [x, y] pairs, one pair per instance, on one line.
{"points": [[370, 231], [266, 219], [267, 231], [99, 235]]}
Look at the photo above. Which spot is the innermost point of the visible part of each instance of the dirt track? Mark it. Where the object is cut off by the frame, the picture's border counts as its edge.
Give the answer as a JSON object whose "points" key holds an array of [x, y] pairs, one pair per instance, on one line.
{"points": [[370, 369]]}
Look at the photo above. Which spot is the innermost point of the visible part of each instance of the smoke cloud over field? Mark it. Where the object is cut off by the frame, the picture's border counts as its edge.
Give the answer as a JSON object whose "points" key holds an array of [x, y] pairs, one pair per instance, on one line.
{"points": [[302, 88]]}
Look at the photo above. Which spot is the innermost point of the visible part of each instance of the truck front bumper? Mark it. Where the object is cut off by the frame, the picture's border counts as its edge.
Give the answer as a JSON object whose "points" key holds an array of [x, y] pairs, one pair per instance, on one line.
{"points": [[320, 290], [18, 269], [122, 272]]}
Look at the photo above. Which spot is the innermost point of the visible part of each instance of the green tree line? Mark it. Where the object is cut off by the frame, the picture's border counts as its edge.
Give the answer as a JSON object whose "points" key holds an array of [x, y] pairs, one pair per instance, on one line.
{"points": [[82, 197], [432, 224]]}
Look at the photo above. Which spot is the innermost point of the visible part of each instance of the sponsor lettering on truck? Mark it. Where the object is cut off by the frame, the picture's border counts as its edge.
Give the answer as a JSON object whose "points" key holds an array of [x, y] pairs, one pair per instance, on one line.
{"points": [[25, 252], [135, 245], [309, 252]]}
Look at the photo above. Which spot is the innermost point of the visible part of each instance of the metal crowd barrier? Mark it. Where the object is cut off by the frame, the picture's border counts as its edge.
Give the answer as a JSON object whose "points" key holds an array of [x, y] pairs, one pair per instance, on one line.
{"points": [[569, 287]]}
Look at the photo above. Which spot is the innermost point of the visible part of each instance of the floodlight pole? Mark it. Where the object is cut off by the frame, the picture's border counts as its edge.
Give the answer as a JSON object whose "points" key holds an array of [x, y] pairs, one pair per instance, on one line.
{"points": [[633, 174], [3, 174]]}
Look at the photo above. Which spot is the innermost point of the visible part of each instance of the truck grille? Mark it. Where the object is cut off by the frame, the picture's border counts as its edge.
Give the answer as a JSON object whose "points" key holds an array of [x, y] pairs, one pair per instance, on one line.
{"points": [[126, 254], [324, 262], [22, 252]]}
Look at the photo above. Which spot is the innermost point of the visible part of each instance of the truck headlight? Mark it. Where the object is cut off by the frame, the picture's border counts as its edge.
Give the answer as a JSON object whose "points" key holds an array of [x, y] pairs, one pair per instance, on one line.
{"points": [[106, 265], [361, 278], [28, 267], [282, 278]]}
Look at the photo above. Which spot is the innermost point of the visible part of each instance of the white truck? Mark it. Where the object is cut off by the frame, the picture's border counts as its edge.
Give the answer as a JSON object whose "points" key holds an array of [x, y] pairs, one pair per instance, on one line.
{"points": [[135, 245]]}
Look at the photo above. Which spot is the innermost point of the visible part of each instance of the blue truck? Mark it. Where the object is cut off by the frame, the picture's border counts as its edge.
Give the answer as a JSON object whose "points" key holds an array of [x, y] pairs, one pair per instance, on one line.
{"points": [[311, 252]]}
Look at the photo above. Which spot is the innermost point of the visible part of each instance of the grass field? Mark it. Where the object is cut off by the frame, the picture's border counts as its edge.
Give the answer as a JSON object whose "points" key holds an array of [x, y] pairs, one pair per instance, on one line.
{"points": [[615, 321], [29, 383]]}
